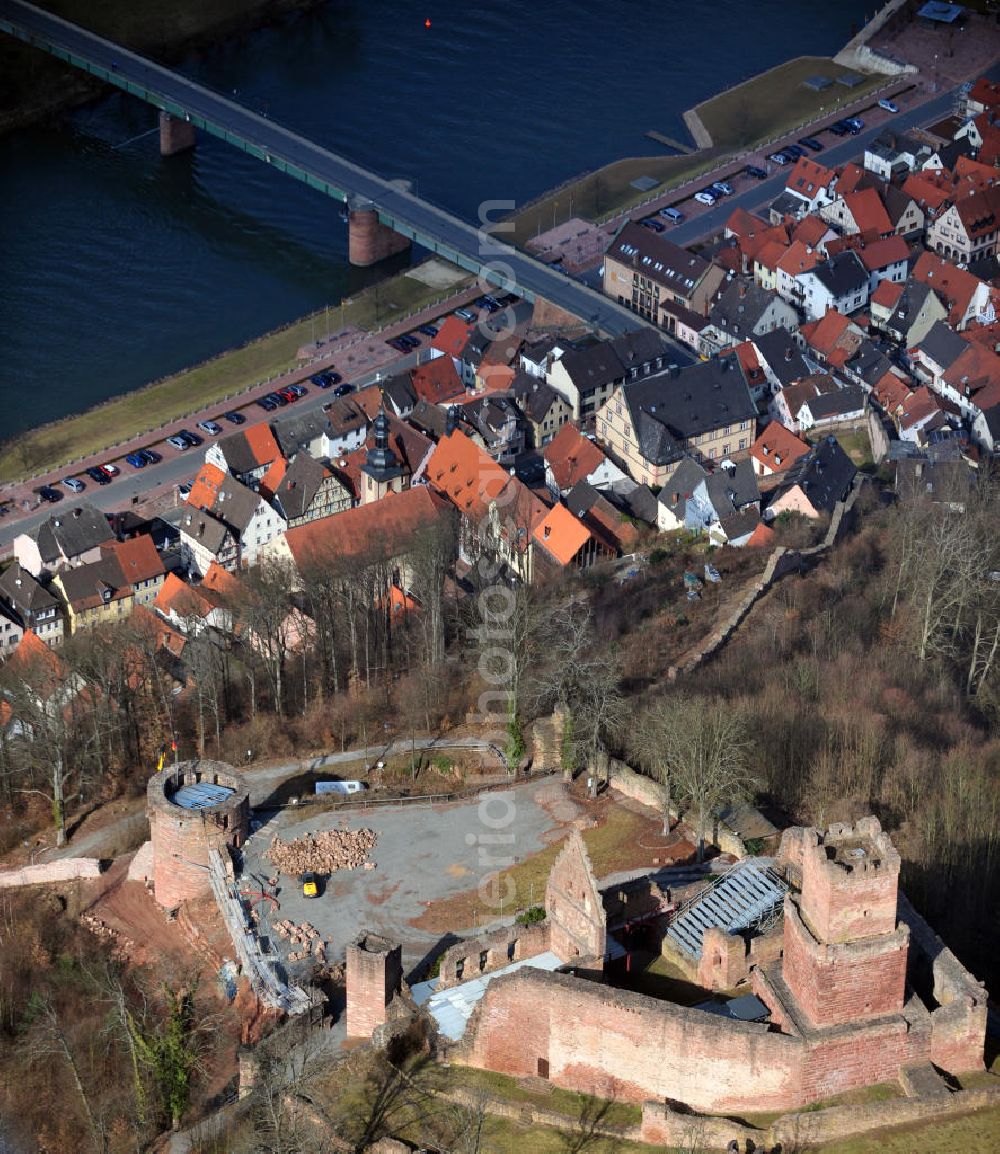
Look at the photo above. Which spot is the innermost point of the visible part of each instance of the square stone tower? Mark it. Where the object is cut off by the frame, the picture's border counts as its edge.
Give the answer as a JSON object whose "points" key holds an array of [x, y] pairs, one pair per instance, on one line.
{"points": [[844, 953], [374, 977]]}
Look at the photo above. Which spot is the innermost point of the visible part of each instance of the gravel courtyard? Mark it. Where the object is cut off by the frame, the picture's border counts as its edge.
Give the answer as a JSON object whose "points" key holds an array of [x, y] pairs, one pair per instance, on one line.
{"points": [[423, 853]]}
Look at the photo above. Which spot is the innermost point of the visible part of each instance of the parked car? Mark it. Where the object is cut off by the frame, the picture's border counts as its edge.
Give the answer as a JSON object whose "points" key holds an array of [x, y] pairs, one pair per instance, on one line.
{"points": [[489, 304], [722, 188], [318, 380], [137, 460], [278, 399], [465, 314], [652, 223], [793, 151], [674, 215], [192, 438], [267, 404], [98, 475], [47, 493], [399, 345], [755, 172], [74, 484], [152, 456], [343, 390], [213, 428], [332, 379], [180, 443], [705, 197], [234, 418], [811, 143], [854, 125], [412, 341], [778, 158], [184, 490], [428, 330], [110, 470], [888, 105], [839, 128]]}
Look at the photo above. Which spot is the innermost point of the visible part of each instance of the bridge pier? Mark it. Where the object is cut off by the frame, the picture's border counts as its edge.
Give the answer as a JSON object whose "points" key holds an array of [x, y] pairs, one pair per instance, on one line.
{"points": [[176, 135], [370, 241]]}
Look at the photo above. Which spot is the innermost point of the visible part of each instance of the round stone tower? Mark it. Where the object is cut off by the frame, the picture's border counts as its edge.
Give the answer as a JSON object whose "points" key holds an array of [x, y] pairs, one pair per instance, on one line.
{"points": [[193, 807]]}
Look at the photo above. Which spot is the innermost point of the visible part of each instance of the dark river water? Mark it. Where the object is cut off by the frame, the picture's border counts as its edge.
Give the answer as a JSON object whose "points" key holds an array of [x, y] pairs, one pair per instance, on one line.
{"points": [[117, 267]]}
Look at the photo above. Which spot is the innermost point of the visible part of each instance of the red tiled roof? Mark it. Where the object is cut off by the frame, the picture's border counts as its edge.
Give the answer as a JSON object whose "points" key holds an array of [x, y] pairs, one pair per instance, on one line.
{"points": [[742, 223], [777, 448], [985, 92], [954, 286], [31, 654], [769, 255], [850, 177], [452, 336], [571, 456], [383, 528], [561, 534], [272, 478], [810, 230], [746, 354], [868, 211], [799, 258], [833, 336], [807, 177], [472, 481], [138, 558], [217, 581], [927, 189], [917, 407], [437, 381], [262, 444], [763, 536], [177, 596], [156, 631], [887, 294], [206, 486]]}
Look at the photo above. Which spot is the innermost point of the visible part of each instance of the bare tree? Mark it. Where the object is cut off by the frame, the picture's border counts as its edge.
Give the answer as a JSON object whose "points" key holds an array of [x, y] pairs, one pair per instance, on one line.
{"points": [[647, 743], [705, 751]]}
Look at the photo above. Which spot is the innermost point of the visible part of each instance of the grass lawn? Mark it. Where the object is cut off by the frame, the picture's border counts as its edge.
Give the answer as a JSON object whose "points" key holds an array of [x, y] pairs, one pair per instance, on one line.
{"points": [[776, 102], [856, 444], [614, 844], [971, 1134], [213, 381]]}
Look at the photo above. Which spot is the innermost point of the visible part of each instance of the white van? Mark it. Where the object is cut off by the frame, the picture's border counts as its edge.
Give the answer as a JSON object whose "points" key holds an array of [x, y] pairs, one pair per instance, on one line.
{"points": [[344, 787], [672, 214]]}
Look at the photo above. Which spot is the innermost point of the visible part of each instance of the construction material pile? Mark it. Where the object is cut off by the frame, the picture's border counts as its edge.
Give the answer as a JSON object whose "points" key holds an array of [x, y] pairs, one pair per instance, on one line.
{"points": [[324, 852], [308, 939]]}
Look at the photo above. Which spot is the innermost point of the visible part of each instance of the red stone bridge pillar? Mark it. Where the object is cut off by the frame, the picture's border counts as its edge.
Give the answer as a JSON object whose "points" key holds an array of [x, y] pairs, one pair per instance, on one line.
{"points": [[176, 135], [370, 241]]}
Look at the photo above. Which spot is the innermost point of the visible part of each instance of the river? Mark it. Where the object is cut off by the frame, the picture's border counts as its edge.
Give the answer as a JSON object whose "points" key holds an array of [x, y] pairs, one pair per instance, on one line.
{"points": [[119, 267]]}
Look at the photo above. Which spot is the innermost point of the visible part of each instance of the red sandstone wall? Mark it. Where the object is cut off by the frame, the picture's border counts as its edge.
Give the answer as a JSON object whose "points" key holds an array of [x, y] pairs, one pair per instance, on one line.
{"points": [[574, 906], [369, 241], [180, 853], [844, 983], [849, 1059], [839, 905], [372, 978], [615, 1044]]}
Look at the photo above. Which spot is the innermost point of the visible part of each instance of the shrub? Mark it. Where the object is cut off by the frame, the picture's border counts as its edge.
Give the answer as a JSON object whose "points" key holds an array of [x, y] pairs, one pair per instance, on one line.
{"points": [[531, 917]]}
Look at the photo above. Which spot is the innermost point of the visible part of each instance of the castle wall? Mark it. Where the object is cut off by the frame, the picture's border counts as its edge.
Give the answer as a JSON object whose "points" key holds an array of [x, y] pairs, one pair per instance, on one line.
{"points": [[474, 956], [573, 905], [616, 1044], [374, 975]]}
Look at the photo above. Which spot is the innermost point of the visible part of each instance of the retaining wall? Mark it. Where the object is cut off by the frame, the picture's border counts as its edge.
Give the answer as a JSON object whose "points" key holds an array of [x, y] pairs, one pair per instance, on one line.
{"points": [[65, 870]]}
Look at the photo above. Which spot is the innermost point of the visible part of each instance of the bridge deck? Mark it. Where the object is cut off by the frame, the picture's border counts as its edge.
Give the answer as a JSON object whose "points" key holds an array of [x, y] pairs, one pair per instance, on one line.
{"points": [[433, 228]]}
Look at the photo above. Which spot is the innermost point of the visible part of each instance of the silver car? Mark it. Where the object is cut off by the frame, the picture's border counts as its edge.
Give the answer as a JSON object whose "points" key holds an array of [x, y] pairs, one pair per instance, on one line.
{"points": [[213, 428]]}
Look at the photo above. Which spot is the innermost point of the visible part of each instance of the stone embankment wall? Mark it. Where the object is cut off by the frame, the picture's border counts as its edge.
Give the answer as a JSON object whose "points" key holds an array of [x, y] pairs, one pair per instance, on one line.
{"points": [[65, 870], [781, 562], [856, 52]]}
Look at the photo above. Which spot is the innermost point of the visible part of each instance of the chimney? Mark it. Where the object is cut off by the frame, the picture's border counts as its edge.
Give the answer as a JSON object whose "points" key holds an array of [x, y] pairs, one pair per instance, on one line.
{"points": [[78, 512], [788, 353], [743, 291], [547, 531]]}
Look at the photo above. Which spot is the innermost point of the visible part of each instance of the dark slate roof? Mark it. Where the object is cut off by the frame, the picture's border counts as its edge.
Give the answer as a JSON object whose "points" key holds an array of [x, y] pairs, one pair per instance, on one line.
{"points": [[943, 345], [581, 498], [666, 410], [72, 532], [682, 483], [782, 355], [908, 306], [638, 502], [730, 490], [23, 592], [824, 474], [429, 419], [399, 392], [954, 149], [842, 274], [950, 481], [206, 529], [238, 454], [847, 400], [896, 202], [295, 432], [344, 415], [235, 504], [788, 204], [740, 307], [658, 258], [84, 583], [869, 363], [740, 524], [592, 366], [642, 347], [534, 396], [299, 486]]}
